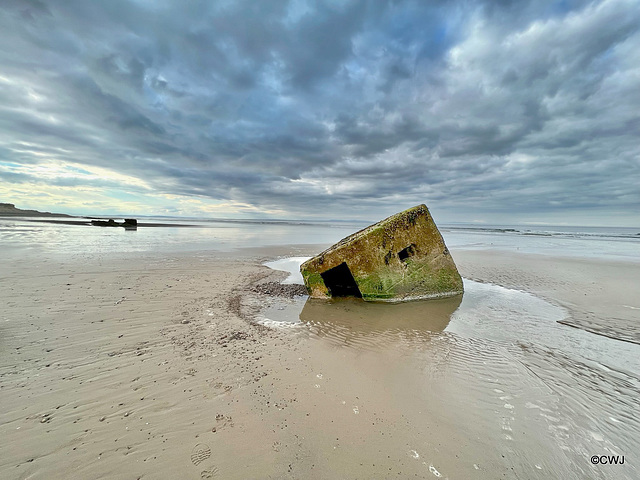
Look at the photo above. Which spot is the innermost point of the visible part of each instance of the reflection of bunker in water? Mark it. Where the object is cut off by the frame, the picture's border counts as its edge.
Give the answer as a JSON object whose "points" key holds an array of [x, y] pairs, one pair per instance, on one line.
{"points": [[350, 320]]}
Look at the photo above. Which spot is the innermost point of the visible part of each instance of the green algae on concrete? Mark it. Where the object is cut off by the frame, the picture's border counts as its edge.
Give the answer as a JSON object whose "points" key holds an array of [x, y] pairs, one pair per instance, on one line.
{"points": [[400, 258]]}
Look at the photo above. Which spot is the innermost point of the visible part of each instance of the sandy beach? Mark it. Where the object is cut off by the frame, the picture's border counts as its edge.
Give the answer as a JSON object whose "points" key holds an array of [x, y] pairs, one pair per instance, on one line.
{"points": [[153, 366]]}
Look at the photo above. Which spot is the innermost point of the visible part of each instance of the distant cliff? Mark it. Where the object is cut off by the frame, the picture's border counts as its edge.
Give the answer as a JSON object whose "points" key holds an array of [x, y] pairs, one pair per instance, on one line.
{"points": [[10, 210]]}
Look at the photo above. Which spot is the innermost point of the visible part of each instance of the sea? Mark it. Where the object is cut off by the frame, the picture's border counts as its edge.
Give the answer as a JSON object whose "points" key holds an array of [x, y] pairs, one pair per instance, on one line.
{"points": [[72, 236]]}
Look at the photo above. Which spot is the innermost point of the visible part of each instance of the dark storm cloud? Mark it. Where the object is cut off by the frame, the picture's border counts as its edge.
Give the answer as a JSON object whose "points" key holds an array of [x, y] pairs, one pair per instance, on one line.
{"points": [[356, 107]]}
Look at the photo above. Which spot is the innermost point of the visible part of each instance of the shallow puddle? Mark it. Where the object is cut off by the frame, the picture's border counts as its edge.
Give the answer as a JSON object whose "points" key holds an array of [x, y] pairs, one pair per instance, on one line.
{"points": [[493, 364]]}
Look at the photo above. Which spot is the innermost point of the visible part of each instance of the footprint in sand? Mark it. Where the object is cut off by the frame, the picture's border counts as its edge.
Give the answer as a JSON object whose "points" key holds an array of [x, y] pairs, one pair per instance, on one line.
{"points": [[200, 453], [222, 422], [210, 472]]}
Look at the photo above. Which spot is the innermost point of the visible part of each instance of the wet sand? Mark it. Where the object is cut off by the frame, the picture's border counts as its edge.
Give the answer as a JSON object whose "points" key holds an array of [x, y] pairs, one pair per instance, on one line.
{"points": [[153, 367], [602, 296]]}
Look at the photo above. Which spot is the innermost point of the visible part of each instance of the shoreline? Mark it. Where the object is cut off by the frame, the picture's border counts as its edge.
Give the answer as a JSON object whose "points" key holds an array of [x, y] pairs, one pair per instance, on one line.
{"points": [[157, 369], [88, 220]]}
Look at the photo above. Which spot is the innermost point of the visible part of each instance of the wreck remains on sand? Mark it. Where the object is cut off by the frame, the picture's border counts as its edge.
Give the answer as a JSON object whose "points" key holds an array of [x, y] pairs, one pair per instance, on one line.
{"points": [[128, 224], [400, 258]]}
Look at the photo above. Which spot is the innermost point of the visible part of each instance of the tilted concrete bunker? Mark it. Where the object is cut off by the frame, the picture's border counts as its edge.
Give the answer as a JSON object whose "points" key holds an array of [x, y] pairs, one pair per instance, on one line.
{"points": [[400, 258]]}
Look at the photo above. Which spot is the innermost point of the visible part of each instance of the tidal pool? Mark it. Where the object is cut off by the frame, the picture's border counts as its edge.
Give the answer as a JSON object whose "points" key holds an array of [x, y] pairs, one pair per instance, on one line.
{"points": [[494, 364]]}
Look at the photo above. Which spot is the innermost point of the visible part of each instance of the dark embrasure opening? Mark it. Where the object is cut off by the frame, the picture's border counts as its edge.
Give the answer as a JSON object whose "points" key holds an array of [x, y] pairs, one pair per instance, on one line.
{"points": [[340, 282], [405, 253]]}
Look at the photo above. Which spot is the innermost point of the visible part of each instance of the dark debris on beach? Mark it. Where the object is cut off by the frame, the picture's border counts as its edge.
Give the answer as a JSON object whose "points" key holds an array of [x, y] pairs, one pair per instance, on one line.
{"points": [[279, 289]]}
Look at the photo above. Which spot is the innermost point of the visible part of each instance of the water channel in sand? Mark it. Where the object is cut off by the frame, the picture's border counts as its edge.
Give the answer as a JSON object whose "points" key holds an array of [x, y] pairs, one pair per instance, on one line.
{"points": [[495, 363]]}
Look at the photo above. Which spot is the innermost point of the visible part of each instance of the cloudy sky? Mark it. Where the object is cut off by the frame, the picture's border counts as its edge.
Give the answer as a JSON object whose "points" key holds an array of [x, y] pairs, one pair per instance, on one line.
{"points": [[487, 111]]}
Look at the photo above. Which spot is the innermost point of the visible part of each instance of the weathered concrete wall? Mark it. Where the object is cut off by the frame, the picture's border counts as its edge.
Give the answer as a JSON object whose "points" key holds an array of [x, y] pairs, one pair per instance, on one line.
{"points": [[372, 256]]}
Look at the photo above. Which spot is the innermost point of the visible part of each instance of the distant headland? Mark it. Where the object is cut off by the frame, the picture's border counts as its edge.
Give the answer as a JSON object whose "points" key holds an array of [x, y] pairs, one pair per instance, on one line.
{"points": [[10, 210]]}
